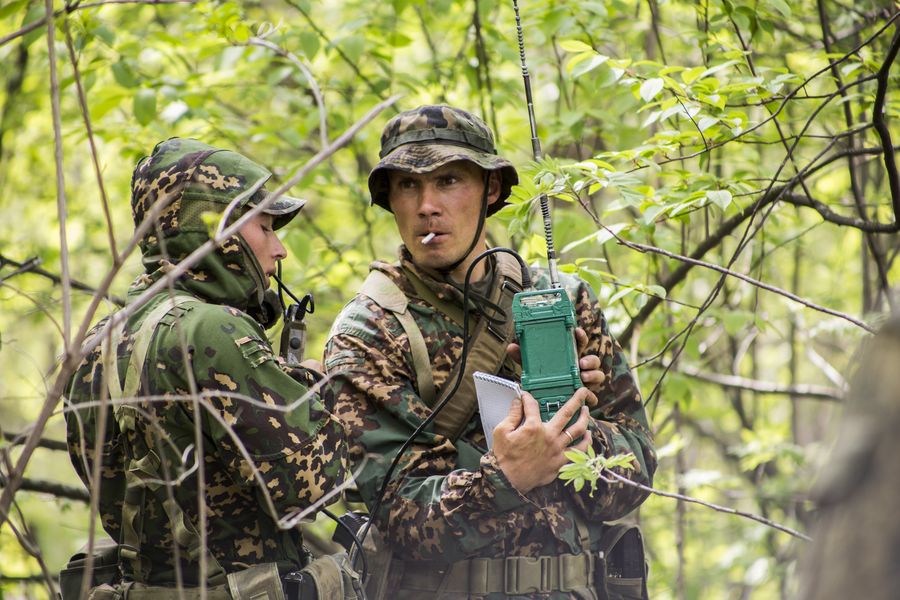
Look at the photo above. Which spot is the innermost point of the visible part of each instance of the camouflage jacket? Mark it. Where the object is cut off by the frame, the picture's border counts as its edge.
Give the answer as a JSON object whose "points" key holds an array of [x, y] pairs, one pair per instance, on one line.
{"points": [[258, 437], [449, 500]]}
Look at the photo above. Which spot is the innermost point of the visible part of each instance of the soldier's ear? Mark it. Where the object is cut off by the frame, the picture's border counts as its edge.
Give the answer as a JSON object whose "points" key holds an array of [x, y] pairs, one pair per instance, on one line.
{"points": [[494, 182]]}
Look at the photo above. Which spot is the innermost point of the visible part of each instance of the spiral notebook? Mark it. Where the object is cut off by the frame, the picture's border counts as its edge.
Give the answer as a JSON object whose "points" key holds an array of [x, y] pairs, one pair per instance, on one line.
{"points": [[495, 395]]}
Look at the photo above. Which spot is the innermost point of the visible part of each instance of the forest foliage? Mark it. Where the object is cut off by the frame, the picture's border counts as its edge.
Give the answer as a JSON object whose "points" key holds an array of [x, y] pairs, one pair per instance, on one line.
{"points": [[722, 171]]}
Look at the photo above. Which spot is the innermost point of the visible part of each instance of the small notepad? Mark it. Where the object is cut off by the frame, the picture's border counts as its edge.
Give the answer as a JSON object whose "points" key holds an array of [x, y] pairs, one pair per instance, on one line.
{"points": [[495, 396]]}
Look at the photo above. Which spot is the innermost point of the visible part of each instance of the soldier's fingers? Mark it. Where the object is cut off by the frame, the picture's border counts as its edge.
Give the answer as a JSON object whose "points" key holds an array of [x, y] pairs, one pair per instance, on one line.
{"points": [[514, 352], [584, 442], [589, 362], [581, 340], [531, 409], [568, 410], [513, 417]]}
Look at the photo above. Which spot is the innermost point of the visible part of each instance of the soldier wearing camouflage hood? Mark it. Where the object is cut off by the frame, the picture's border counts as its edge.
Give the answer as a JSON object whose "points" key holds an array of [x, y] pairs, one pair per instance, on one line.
{"points": [[459, 520], [194, 363]]}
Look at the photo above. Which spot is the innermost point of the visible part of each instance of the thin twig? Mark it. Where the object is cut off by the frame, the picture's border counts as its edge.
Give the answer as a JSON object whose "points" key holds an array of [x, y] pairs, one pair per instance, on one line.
{"points": [[86, 116], [68, 9], [313, 84], [31, 266], [822, 392], [612, 477], [765, 286], [54, 488], [60, 179]]}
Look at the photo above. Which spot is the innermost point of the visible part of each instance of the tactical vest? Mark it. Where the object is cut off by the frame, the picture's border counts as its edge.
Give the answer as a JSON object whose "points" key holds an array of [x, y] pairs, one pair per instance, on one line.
{"points": [[586, 574], [332, 575]]}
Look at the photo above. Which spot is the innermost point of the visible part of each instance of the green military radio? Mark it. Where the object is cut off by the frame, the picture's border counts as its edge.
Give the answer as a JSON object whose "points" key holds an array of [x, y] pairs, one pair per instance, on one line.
{"points": [[545, 328], [544, 319]]}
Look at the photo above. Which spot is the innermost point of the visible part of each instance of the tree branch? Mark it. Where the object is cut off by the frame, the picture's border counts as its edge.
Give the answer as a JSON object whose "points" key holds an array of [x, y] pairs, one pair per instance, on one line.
{"points": [[884, 133], [73, 7], [50, 487], [822, 392], [612, 477], [30, 266]]}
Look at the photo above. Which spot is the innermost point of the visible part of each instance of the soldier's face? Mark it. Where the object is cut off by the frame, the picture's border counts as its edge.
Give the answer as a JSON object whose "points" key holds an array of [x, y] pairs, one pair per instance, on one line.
{"points": [[261, 237], [447, 203]]}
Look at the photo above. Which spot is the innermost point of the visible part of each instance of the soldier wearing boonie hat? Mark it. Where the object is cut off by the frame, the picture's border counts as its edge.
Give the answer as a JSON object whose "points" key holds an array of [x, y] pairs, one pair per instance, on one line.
{"points": [[462, 519], [428, 137], [270, 448]]}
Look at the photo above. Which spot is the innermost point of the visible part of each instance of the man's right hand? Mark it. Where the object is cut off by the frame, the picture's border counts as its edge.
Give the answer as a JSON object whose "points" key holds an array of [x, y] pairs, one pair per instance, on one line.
{"points": [[530, 452]]}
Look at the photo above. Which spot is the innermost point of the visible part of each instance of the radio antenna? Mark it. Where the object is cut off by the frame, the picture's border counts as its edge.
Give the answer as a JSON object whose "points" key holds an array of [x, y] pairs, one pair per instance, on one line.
{"points": [[538, 155]]}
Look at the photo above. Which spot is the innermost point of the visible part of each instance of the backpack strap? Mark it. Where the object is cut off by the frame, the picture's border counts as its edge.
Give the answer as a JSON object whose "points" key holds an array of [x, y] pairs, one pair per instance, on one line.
{"points": [[142, 472], [385, 293]]}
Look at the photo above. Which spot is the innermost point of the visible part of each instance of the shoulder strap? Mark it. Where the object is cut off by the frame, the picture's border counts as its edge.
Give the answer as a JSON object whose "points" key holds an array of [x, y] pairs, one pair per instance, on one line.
{"points": [[385, 293], [142, 472], [487, 348]]}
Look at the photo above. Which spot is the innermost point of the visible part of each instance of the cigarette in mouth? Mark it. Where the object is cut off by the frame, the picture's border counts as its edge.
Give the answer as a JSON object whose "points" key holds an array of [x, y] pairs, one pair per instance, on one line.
{"points": [[428, 238]]}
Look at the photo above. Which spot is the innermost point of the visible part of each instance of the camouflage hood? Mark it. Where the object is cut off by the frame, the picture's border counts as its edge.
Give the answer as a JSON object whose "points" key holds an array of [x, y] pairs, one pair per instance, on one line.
{"points": [[183, 180]]}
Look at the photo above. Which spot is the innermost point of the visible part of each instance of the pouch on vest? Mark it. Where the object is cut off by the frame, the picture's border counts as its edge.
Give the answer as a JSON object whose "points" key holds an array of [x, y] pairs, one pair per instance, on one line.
{"points": [[105, 569], [621, 571]]}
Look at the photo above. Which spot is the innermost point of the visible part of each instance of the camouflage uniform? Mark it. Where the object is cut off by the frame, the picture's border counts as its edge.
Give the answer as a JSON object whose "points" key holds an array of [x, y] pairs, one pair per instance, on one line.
{"points": [[449, 500], [299, 453]]}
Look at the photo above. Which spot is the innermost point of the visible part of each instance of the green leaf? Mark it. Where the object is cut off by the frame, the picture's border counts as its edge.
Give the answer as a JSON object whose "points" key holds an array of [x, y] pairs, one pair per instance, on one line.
{"points": [[309, 44], [781, 6], [721, 198], [124, 74], [706, 122], [11, 8], [353, 47], [589, 65], [145, 106], [691, 75], [651, 88], [575, 46]]}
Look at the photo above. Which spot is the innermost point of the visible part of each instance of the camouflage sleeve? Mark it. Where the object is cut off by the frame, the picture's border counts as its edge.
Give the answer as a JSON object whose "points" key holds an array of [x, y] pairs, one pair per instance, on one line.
{"points": [[620, 423], [433, 508], [269, 431]]}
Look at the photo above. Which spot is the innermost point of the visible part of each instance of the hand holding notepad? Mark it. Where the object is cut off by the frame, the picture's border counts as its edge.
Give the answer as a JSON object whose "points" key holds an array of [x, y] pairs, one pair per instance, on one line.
{"points": [[495, 396]]}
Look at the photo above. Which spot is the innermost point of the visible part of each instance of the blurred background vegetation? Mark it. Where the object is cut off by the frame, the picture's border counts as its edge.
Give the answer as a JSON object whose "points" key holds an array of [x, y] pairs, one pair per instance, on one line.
{"points": [[751, 135]]}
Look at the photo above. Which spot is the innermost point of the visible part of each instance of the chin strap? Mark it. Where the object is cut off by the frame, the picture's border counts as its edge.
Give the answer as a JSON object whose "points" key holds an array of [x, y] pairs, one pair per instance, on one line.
{"points": [[481, 219]]}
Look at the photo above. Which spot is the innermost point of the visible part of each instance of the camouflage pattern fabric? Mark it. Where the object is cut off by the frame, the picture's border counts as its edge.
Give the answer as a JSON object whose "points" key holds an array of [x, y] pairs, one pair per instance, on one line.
{"points": [[450, 501], [254, 423], [426, 138]]}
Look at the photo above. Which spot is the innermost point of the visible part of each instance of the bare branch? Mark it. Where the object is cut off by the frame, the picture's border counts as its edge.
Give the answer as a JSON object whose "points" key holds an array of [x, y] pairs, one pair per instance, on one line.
{"points": [[31, 266], [822, 392], [19, 438], [612, 477], [54, 488], [313, 84], [890, 163], [68, 9], [60, 180], [742, 277], [86, 116]]}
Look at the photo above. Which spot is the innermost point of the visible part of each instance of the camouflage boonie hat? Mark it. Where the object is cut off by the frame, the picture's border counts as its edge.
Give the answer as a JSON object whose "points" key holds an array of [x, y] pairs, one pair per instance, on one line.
{"points": [[192, 177], [426, 138]]}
